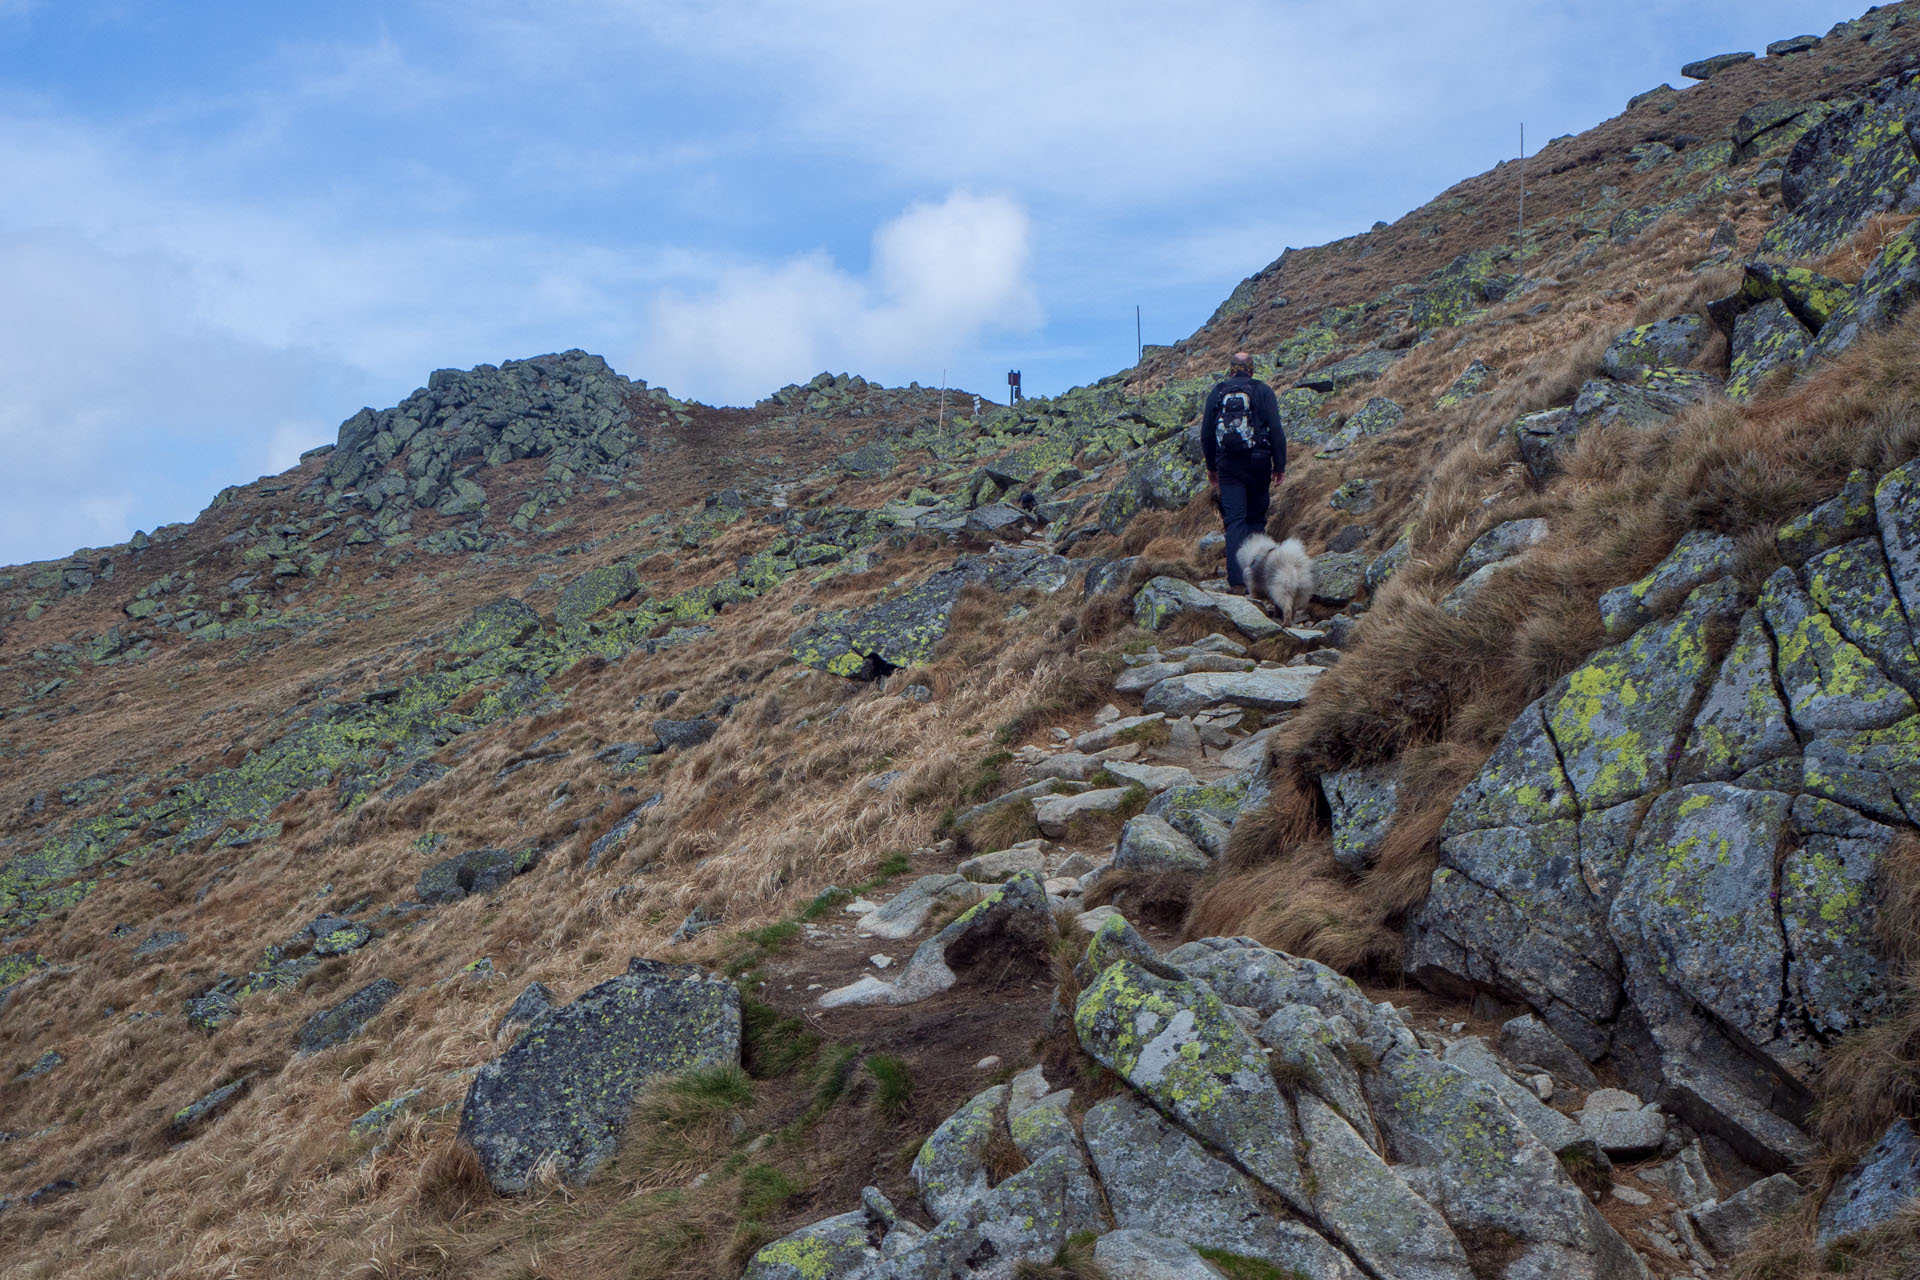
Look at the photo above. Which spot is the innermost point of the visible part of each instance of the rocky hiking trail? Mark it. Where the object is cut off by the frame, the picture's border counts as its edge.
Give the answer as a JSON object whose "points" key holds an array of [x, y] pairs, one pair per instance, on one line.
{"points": [[948, 967]]}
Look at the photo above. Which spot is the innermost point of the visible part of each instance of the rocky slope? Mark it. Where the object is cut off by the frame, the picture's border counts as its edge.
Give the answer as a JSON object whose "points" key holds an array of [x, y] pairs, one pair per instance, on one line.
{"points": [[333, 814]]}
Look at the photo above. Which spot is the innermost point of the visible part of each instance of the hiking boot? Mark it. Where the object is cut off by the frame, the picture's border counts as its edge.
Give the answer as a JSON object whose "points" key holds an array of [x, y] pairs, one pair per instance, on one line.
{"points": [[1236, 591]]}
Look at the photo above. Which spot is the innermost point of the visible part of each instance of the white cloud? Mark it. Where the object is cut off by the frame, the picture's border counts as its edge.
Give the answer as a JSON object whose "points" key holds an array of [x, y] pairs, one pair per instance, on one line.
{"points": [[942, 276]]}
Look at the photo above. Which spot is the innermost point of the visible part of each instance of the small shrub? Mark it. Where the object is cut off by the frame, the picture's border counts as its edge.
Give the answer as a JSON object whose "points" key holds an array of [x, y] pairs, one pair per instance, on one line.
{"points": [[772, 1046]]}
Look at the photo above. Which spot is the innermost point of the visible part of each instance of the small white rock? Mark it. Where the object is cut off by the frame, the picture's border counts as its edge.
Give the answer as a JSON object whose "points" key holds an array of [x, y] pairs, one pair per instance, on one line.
{"points": [[1627, 1195], [860, 907], [1061, 735], [1106, 715], [989, 1063], [1542, 1086], [1459, 1027], [881, 961], [813, 986]]}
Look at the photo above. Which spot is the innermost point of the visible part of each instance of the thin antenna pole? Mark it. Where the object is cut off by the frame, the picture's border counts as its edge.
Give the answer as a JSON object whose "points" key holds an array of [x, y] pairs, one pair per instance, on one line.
{"points": [[1139, 347], [1523, 186], [943, 399]]}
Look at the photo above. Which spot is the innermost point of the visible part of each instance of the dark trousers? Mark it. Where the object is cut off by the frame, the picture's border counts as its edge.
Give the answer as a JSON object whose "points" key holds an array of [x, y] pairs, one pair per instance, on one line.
{"points": [[1243, 507]]}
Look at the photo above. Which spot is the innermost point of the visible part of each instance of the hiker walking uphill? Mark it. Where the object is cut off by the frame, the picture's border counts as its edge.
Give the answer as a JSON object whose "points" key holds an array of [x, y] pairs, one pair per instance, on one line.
{"points": [[1246, 454]]}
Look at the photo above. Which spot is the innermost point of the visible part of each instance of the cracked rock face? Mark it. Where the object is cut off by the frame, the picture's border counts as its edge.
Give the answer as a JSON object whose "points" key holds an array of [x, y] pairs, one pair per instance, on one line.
{"points": [[1683, 841]]}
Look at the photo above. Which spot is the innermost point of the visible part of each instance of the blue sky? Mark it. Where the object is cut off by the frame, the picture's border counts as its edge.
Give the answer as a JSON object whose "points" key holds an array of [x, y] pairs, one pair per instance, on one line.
{"points": [[226, 226]]}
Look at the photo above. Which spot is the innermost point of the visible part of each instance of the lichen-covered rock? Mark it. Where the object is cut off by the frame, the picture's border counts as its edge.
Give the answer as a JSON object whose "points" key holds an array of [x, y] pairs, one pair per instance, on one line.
{"points": [[345, 1020], [1270, 689], [1339, 577], [1376, 417], [834, 1249], [1161, 477], [1765, 337], [1884, 292], [1177, 1045], [1828, 681], [1698, 892], [1809, 297], [1363, 803], [950, 1170], [1851, 583], [1664, 344], [1138, 1255], [594, 590], [1114, 940], [1742, 724], [1312, 1049], [1204, 814], [1775, 126], [1161, 600], [1871, 1193], [1056, 814], [1471, 382], [563, 1092], [201, 1112], [1876, 771], [1365, 367], [1389, 562], [1896, 504], [1699, 557], [1159, 1179], [1841, 518], [1855, 164], [1619, 716], [1150, 846], [476, 871], [1829, 888], [494, 625], [1027, 1218], [1489, 1173], [1244, 973], [527, 1007], [1369, 1208], [1556, 1132], [1528, 1041], [1660, 395]]}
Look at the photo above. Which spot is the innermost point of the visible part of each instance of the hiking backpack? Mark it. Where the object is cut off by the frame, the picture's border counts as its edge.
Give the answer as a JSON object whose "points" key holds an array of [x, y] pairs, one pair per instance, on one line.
{"points": [[1235, 430]]}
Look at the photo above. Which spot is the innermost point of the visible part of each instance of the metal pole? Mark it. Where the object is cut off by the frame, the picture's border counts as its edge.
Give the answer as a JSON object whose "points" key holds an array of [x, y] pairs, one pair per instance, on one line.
{"points": [[943, 399], [1523, 187], [1139, 347]]}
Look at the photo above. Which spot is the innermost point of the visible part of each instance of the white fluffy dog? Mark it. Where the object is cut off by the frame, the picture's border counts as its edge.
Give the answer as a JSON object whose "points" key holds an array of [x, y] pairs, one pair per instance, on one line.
{"points": [[1280, 571]]}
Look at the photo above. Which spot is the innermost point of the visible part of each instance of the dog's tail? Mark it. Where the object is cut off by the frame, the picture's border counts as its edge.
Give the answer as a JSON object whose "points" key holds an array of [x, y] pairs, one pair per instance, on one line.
{"points": [[1253, 553]]}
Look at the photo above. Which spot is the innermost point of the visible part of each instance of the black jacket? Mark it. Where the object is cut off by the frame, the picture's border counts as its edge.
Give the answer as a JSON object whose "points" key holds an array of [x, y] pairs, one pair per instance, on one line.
{"points": [[1266, 423]]}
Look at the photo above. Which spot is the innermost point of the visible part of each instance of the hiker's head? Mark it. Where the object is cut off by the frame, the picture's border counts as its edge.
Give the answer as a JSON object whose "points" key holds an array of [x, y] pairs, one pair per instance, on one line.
{"points": [[1240, 366]]}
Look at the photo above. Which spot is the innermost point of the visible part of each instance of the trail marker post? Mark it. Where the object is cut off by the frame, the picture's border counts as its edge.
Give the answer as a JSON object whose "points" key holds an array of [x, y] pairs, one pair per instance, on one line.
{"points": [[1013, 385]]}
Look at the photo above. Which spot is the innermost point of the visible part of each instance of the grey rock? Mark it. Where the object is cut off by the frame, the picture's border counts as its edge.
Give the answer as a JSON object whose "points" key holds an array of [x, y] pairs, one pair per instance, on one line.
{"points": [[1154, 777], [1854, 164], [906, 912], [1369, 1208], [1389, 562], [1027, 1218], [476, 871], [1793, 44], [1158, 1179], [1150, 846], [1136, 1255], [1661, 395], [1729, 1226], [1105, 736], [593, 591], [1554, 1131], [1707, 68], [1529, 1040], [1664, 344], [1884, 292], [1684, 1178], [533, 1001], [498, 624], [1312, 1049], [1204, 814], [158, 942], [1501, 542], [684, 734], [565, 1088], [1015, 918], [1263, 690], [346, 1019], [1626, 1133], [1056, 814], [1340, 578], [995, 867], [1871, 1193], [1363, 803], [1365, 367], [201, 1111], [1543, 439], [1019, 795], [1851, 583], [1827, 888]]}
